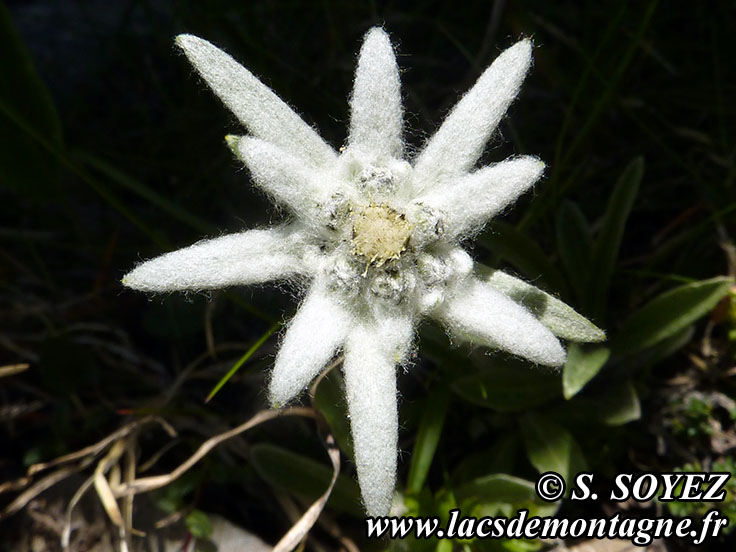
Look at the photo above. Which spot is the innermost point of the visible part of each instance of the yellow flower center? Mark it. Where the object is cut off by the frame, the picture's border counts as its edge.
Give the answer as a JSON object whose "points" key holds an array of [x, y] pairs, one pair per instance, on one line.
{"points": [[380, 233]]}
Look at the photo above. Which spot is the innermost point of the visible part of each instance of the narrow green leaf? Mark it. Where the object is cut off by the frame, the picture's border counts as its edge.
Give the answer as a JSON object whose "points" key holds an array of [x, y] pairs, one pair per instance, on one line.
{"points": [[581, 366], [24, 164], [561, 319], [249, 353], [604, 97], [662, 350], [670, 313], [550, 447], [303, 476], [330, 400], [508, 243], [575, 245], [59, 155], [608, 242], [508, 386], [565, 150], [428, 435]]}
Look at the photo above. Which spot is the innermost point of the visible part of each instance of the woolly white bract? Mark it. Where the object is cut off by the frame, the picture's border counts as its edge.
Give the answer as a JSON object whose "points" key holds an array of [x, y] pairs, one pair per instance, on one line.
{"points": [[376, 236]]}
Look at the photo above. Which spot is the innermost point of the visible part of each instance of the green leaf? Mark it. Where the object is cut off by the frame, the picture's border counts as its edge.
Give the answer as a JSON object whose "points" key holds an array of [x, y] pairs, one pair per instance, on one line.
{"points": [[581, 366], [521, 545], [575, 245], [303, 476], [508, 386], [172, 497], [489, 493], [608, 243], [428, 436], [619, 405], [561, 319], [551, 447], [199, 524], [613, 404], [330, 401], [444, 545], [508, 243], [25, 104], [662, 350], [669, 313]]}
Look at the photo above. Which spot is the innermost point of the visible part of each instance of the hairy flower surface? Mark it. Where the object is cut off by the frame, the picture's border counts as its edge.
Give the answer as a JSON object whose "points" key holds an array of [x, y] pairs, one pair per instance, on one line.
{"points": [[376, 236]]}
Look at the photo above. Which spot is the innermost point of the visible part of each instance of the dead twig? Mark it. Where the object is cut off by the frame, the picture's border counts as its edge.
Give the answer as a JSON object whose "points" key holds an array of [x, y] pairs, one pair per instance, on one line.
{"points": [[12, 369], [147, 484], [299, 530]]}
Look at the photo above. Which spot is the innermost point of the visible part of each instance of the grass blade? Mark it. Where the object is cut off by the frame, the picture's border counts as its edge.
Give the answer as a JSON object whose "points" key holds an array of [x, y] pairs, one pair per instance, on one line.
{"points": [[249, 353], [608, 242], [428, 436]]}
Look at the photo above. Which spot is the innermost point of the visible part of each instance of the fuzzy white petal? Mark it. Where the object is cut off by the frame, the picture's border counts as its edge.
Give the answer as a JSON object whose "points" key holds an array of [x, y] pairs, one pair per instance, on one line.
{"points": [[459, 142], [262, 112], [372, 351], [482, 314], [376, 117], [471, 200], [244, 258], [285, 177], [317, 330]]}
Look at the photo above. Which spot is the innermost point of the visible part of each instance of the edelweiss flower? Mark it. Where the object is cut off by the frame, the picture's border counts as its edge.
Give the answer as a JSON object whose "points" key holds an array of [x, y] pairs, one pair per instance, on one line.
{"points": [[376, 236]]}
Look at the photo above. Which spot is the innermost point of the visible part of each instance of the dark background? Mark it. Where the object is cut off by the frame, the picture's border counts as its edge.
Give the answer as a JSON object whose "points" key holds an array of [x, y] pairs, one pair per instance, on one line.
{"points": [[113, 152]]}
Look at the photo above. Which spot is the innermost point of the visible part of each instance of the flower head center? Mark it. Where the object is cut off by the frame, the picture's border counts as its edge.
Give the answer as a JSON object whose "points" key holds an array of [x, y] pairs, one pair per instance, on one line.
{"points": [[380, 233]]}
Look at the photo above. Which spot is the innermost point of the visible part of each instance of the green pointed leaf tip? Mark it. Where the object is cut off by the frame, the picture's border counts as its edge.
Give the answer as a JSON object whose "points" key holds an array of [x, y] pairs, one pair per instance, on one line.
{"points": [[619, 405], [670, 313], [608, 242], [243, 359], [561, 319], [581, 366]]}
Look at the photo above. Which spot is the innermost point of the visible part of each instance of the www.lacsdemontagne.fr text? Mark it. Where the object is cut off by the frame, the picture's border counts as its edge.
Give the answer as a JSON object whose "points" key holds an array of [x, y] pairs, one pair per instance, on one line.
{"points": [[640, 531]]}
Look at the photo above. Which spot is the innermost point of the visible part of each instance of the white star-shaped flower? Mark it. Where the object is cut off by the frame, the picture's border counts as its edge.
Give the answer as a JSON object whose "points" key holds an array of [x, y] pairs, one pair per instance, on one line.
{"points": [[375, 236]]}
